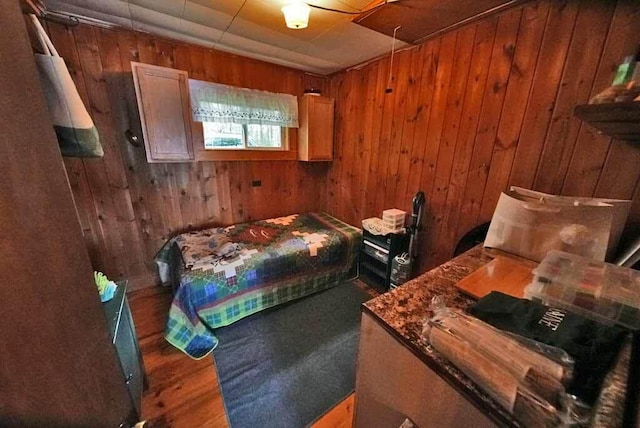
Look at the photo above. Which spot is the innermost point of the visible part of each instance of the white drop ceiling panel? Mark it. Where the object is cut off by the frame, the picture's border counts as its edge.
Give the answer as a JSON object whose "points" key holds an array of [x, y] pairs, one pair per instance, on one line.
{"points": [[265, 52], [350, 5], [207, 36], [140, 15], [244, 26], [169, 7], [344, 44], [206, 16], [230, 7], [254, 28], [262, 13], [170, 34]]}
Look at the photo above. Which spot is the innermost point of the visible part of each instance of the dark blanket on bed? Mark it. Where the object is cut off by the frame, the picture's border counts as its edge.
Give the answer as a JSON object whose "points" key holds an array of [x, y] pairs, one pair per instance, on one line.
{"points": [[280, 259]]}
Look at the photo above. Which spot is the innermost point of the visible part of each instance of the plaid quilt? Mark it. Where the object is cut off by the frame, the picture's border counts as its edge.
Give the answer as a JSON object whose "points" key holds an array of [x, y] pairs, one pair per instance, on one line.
{"points": [[280, 260]]}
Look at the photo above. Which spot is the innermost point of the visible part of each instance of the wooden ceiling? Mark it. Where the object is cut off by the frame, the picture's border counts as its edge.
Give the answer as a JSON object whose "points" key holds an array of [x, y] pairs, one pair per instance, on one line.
{"points": [[421, 19]]}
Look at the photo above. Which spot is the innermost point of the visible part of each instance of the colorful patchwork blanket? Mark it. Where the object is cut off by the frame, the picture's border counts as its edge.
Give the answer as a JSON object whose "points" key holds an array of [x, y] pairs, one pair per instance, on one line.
{"points": [[278, 260]]}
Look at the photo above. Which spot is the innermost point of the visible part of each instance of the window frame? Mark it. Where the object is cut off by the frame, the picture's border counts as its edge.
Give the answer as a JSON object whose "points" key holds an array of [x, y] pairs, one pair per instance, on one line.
{"points": [[245, 140], [290, 141]]}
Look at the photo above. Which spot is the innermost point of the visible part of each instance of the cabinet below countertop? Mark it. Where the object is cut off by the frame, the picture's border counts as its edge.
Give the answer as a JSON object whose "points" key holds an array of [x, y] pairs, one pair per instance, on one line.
{"points": [[392, 331]]}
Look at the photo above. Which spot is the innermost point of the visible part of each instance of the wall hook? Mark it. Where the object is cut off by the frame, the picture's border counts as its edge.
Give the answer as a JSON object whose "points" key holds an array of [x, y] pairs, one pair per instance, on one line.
{"points": [[132, 138]]}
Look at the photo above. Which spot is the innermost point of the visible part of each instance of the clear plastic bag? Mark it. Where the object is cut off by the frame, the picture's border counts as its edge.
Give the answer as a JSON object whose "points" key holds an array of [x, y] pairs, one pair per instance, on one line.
{"points": [[525, 377]]}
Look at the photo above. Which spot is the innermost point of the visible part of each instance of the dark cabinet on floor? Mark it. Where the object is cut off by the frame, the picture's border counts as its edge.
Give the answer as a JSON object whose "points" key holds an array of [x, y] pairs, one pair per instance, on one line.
{"points": [[123, 334], [376, 256]]}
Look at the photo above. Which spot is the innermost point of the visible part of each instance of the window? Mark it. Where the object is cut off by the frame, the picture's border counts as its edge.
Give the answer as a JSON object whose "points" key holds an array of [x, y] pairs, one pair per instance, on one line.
{"points": [[233, 136], [243, 124]]}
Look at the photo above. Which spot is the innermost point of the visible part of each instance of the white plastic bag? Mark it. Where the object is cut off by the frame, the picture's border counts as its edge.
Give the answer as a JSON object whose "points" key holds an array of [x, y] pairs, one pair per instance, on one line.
{"points": [[77, 135], [621, 208], [531, 227]]}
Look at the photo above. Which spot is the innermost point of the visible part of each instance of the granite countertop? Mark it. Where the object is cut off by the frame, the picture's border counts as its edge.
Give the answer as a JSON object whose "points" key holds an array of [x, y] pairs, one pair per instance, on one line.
{"points": [[402, 312]]}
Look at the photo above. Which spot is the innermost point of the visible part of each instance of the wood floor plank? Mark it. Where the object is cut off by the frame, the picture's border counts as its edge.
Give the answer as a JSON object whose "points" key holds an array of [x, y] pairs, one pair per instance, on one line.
{"points": [[201, 412], [165, 367], [185, 388], [184, 392], [340, 416]]}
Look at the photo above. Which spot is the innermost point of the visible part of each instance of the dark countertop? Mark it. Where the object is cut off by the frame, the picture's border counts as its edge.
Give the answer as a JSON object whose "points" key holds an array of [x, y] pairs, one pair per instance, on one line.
{"points": [[403, 310]]}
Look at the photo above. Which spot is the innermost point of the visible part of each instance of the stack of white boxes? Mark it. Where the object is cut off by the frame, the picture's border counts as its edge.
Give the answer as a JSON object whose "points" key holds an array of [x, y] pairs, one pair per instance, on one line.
{"points": [[393, 220]]}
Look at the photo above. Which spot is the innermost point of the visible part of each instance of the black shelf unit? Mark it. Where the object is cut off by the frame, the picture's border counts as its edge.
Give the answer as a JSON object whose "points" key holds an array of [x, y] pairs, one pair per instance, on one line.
{"points": [[376, 255], [125, 340]]}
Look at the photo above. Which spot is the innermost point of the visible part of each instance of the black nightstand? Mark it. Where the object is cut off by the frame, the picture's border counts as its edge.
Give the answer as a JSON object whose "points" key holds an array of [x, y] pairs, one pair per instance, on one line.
{"points": [[376, 255], [123, 335]]}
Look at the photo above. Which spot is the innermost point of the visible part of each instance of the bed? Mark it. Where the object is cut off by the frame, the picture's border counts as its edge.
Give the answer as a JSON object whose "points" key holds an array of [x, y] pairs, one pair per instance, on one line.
{"points": [[277, 260]]}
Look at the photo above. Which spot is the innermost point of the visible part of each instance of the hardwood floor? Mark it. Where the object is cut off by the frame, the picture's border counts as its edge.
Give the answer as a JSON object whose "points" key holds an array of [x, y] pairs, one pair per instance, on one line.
{"points": [[184, 392]]}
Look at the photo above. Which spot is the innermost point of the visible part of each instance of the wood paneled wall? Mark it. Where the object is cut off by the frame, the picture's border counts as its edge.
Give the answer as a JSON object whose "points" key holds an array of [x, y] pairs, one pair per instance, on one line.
{"points": [[129, 208], [471, 112], [481, 108]]}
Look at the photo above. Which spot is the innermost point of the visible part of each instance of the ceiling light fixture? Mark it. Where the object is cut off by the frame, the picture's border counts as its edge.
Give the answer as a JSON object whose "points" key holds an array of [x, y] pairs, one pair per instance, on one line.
{"points": [[296, 15]]}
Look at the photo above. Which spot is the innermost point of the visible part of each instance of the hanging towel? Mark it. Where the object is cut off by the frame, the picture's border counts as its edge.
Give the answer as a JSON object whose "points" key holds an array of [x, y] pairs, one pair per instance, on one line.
{"points": [[77, 135]]}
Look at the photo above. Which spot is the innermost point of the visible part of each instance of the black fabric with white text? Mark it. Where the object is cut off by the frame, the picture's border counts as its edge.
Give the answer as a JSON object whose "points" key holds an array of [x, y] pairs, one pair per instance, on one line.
{"points": [[593, 345]]}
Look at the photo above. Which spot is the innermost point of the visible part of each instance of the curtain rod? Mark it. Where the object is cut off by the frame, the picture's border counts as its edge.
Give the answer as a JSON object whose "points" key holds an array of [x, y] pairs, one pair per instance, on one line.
{"points": [[67, 19], [32, 6]]}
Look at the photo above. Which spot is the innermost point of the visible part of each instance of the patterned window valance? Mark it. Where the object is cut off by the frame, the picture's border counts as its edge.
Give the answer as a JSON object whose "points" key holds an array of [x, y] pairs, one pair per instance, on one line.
{"points": [[213, 102]]}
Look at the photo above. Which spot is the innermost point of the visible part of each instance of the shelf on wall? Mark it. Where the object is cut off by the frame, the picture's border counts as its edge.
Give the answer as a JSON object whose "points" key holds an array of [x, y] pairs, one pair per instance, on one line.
{"points": [[617, 120]]}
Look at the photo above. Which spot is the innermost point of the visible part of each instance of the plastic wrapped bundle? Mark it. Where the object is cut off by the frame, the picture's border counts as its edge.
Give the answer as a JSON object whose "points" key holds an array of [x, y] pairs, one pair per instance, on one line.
{"points": [[525, 377]]}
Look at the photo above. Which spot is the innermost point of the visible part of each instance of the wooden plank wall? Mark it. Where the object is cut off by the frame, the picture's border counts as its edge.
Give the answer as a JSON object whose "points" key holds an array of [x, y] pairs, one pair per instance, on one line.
{"points": [[481, 108], [129, 208]]}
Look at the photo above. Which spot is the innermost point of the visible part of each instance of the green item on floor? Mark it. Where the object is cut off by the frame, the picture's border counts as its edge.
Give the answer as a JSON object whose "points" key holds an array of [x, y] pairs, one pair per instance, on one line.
{"points": [[625, 71], [106, 288]]}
